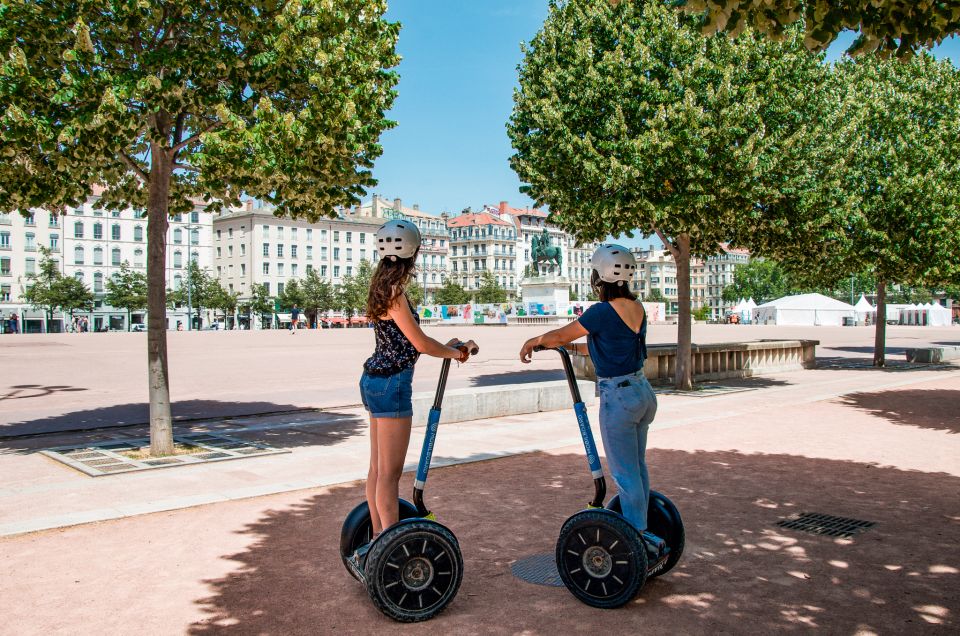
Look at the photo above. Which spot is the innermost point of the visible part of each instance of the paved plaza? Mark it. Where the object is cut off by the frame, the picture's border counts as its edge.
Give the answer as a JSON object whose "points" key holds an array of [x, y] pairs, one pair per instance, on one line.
{"points": [[250, 546]]}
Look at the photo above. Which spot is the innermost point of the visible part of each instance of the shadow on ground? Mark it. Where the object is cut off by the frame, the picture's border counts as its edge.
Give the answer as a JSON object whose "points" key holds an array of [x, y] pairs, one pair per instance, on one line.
{"points": [[937, 409], [518, 377], [740, 574], [893, 365], [297, 428]]}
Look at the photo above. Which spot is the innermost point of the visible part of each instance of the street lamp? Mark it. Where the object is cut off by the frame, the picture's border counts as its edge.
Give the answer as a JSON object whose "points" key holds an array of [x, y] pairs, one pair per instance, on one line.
{"points": [[190, 227]]}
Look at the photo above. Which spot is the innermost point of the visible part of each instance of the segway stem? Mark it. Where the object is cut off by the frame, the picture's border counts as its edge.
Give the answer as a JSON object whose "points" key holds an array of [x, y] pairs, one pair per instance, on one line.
{"points": [[433, 425], [586, 434]]}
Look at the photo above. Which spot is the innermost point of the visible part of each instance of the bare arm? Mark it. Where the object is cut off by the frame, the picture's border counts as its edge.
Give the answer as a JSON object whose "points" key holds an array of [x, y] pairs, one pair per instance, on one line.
{"points": [[556, 338], [400, 313]]}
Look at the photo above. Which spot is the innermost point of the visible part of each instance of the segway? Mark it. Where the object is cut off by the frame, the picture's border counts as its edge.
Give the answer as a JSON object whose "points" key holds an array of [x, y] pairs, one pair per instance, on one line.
{"points": [[601, 557], [414, 568]]}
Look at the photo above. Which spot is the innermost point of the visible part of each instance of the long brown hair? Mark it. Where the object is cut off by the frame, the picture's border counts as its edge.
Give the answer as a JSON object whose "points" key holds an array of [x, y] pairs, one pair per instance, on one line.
{"points": [[608, 291], [388, 283]]}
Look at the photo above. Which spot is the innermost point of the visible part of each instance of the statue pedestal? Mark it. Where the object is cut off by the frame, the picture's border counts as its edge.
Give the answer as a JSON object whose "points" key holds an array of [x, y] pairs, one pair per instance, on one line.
{"points": [[550, 290]]}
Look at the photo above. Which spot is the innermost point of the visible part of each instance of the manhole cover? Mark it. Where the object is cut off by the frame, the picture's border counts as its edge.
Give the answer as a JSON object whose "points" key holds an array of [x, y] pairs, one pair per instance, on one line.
{"points": [[826, 525], [540, 569]]}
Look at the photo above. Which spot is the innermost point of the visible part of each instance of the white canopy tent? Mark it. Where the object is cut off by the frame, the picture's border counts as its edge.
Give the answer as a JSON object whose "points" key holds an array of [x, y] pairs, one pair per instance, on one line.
{"points": [[803, 310], [865, 310], [938, 316]]}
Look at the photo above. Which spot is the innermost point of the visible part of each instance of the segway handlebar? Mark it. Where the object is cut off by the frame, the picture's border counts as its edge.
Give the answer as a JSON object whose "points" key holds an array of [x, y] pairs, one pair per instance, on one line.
{"points": [[586, 434], [433, 424]]}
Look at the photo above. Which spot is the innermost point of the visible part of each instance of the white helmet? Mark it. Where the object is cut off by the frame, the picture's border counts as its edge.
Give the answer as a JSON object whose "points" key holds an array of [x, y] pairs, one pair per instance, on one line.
{"points": [[398, 239], [614, 264]]}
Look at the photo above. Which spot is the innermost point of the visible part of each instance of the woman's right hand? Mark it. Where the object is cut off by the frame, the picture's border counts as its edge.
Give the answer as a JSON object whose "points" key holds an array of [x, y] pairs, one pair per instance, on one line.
{"points": [[461, 348]]}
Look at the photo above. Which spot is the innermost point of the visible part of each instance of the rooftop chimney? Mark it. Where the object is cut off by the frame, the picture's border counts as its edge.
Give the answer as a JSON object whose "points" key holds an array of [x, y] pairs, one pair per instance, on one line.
{"points": [[416, 206], [397, 205], [503, 207]]}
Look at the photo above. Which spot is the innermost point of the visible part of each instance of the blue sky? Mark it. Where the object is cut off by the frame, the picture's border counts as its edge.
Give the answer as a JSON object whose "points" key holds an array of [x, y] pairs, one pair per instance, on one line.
{"points": [[450, 148]]}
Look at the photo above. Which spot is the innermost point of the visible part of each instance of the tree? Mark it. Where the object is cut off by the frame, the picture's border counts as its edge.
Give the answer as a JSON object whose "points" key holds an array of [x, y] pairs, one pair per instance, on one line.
{"points": [[220, 298], [51, 291], [655, 296], [760, 279], [490, 290], [127, 289], [164, 102], [627, 119], [451, 294], [317, 295], [415, 293], [292, 295], [259, 303], [197, 292], [702, 313], [905, 179], [886, 26]]}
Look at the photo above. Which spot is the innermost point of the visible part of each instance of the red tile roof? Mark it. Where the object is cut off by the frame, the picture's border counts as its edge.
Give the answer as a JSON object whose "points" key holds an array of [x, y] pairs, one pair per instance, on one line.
{"points": [[506, 209], [475, 219], [734, 250]]}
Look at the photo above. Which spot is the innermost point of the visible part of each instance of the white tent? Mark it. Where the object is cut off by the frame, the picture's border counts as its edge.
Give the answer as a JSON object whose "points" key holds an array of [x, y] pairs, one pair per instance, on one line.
{"points": [[742, 309], [865, 310], [751, 305], [803, 309], [938, 316]]}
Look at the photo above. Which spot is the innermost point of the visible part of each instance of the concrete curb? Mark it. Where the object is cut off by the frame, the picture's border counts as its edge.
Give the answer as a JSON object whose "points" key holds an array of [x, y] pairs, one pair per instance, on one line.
{"points": [[480, 403]]}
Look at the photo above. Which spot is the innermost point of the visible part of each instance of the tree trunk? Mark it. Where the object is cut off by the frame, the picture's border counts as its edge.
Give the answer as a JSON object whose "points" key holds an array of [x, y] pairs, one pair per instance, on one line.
{"points": [[880, 334], [684, 378], [161, 425]]}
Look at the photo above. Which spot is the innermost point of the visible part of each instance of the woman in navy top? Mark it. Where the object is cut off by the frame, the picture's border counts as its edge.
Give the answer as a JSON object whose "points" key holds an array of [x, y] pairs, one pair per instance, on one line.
{"points": [[616, 331]]}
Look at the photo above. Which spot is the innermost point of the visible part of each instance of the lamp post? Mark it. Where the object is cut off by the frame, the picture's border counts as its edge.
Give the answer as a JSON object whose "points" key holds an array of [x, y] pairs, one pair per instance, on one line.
{"points": [[190, 227]]}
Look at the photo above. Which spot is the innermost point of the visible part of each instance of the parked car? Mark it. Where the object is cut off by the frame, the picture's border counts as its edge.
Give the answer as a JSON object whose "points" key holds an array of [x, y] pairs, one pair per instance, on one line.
{"points": [[139, 327]]}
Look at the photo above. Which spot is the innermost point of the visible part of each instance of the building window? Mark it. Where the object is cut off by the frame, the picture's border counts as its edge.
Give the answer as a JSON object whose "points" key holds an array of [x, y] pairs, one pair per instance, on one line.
{"points": [[293, 234], [323, 252], [31, 244], [30, 219], [309, 268], [266, 269], [115, 256], [115, 214], [98, 256], [363, 255], [293, 251], [4, 266], [280, 289], [78, 229], [336, 253], [177, 281], [266, 287], [5, 293], [279, 250], [279, 269], [178, 218], [309, 234], [323, 270], [218, 234], [293, 269], [178, 236], [349, 237], [115, 232], [31, 266], [98, 282], [219, 253], [243, 249], [229, 250], [336, 271], [309, 252], [195, 237], [178, 259], [194, 217], [266, 249], [98, 230], [138, 258], [363, 238], [349, 253], [78, 255], [323, 235], [336, 236], [243, 269], [138, 233], [4, 240]]}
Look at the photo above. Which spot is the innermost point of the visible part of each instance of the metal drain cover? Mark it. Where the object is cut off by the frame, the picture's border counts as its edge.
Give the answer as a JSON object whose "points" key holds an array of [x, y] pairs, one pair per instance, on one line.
{"points": [[826, 525], [540, 569]]}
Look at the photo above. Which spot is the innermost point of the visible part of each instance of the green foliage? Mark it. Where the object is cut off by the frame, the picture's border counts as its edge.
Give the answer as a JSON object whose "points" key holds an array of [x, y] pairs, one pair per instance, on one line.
{"points": [[702, 313], [52, 291], [351, 295], [292, 295], [415, 293], [490, 291], [196, 289], [887, 26], [127, 289], [761, 279], [260, 302], [451, 294], [317, 293], [655, 296]]}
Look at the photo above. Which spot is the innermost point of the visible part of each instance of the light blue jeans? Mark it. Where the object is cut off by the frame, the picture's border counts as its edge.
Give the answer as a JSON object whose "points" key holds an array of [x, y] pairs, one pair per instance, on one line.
{"points": [[627, 407]]}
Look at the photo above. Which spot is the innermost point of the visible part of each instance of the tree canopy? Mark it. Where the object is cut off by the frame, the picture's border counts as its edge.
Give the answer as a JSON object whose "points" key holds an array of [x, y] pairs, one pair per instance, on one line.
{"points": [[51, 291], [451, 293], [897, 27], [490, 291], [127, 289]]}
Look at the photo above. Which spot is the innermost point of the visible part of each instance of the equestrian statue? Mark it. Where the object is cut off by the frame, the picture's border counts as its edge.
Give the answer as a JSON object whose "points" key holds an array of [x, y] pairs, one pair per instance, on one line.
{"points": [[543, 252]]}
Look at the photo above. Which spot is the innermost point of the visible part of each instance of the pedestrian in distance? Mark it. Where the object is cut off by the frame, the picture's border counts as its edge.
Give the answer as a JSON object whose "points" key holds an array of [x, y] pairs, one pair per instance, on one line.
{"points": [[386, 386], [294, 317], [616, 331]]}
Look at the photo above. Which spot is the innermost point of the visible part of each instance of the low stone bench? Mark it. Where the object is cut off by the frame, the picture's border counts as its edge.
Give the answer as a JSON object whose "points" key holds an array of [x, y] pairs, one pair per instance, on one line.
{"points": [[718, 361], [461, 405], [540, 320], [933, 354]]}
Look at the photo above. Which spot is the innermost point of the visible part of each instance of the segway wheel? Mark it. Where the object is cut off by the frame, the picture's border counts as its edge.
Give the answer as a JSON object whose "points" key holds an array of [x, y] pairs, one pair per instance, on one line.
{"points": [[358, 530], [414, 570], [663, 520], [601, 558]]}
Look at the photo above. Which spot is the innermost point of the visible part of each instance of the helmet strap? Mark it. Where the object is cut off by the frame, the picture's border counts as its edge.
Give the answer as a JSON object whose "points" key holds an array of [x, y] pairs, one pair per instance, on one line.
{"points": [[619, 283]]}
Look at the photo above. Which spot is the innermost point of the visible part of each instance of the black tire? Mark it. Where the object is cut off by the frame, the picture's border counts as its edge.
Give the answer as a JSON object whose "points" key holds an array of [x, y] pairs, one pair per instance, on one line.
{"points": [[414, 570], [663, 520], [601, 558], [357, 529]]}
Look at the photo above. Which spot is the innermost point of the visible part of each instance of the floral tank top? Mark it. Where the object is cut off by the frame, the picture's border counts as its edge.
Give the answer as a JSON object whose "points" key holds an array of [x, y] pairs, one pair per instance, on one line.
{"points": [[394, 352]]}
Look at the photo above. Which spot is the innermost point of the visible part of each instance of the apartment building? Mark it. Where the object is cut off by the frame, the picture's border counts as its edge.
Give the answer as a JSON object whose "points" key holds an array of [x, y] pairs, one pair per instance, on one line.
{"points": [[91, 245], [718, 273], [435, 248], [483, 242]]}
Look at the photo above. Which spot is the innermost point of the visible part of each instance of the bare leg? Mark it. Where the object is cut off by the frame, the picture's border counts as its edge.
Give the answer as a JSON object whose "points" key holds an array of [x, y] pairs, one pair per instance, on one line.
{"points": [[393, 437], [372, 479]]}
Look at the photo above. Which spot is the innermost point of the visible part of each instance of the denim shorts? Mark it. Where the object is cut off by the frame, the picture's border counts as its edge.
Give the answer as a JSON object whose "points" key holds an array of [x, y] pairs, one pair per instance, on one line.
{"points": [[389, 395]]}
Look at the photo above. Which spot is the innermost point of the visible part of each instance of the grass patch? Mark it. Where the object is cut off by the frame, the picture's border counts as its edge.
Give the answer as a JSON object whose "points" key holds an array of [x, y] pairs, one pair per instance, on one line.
{"points": [[178, 449]]}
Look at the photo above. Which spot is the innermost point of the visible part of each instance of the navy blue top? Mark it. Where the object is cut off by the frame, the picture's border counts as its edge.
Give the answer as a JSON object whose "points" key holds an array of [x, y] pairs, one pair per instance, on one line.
{"points": [[394, 352], [614, 348]]}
